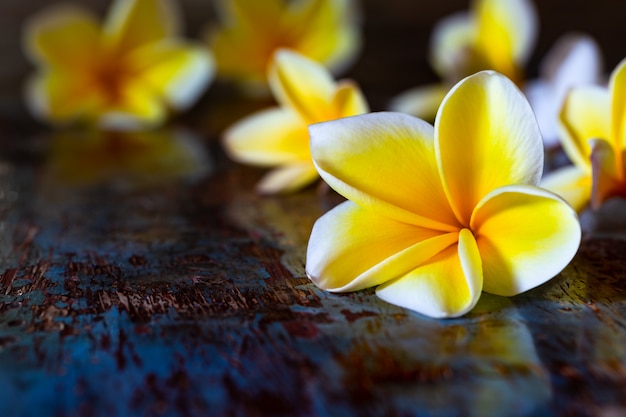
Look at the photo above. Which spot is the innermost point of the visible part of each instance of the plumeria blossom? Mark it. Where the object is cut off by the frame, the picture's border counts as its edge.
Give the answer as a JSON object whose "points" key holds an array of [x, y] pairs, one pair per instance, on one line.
{"points": [[278, 137], [130, 73], [494, 35], [592, 123], [574, 60], [252, 30], [438, 214]]}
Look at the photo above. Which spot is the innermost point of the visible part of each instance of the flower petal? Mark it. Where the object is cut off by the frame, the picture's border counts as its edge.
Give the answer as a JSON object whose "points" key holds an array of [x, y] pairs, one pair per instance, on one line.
{"points": [[486, 136], [525, 235], [63, 37], [452, 39], [572, 184], [617, 88], [352, 248], [540, 94], [134, 23], [245, 41], [175, 70], [573, 61], [448, 285], [61, 97], [386, 162], [288, 178], [302, 84], [137, 108], [608, 180], [251, 15], [326, 31], [422, 101], [349, 100], [506, 33], [268, 137], [585, 115]]}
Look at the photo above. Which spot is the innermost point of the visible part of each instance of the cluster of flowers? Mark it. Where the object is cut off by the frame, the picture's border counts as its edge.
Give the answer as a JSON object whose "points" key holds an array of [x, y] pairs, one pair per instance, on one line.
{"points": [[435, 213]]}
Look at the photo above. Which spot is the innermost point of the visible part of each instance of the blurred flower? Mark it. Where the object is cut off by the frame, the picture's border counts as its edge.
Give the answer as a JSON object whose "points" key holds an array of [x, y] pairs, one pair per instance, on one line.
{"points": [[252, 30], [437, 215], [573, 61], [592, 122], [128, 74], [278, 137], [125, 159], [496, 35]]}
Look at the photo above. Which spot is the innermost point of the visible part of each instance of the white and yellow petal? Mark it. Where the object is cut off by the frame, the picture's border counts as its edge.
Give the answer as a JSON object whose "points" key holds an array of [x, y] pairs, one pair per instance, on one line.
{"points": [[177, 71], [607, 172], [386, 162], [525, 235], [448, 285], [352, 248], [486, 136], [132, 24], [422, 102], [617, 89], [62, 97], [288, 178], [137, 107], [452, 42], [506, 32], [303, 85], [348, 100], [63, 37], [573, 61], [327, 31], [572, 184], [585, 115], [269, 137]]}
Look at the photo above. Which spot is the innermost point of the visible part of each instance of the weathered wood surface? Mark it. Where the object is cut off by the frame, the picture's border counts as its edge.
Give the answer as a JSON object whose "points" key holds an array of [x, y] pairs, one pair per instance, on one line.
{"points": [[132, 286]]}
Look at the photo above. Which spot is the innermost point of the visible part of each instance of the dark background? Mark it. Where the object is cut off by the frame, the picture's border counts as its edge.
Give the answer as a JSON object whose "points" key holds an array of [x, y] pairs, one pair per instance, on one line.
{"points": [[396, 38]]}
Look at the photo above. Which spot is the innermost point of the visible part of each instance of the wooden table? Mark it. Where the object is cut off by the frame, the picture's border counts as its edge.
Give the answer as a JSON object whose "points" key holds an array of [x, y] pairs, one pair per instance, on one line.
{"points": [[130, 286]]}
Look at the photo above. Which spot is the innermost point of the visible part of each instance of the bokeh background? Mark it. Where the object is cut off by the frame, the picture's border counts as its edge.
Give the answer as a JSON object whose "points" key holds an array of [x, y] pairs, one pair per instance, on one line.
{"points": [[394, 57]]}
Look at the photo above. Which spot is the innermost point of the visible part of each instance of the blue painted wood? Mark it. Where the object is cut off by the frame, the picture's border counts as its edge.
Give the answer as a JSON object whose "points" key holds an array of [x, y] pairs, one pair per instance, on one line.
{"points": [[188, 297], [142, 277]]}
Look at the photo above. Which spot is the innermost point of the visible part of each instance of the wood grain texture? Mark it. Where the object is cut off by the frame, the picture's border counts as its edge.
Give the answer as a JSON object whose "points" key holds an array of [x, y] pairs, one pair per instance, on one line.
{"points": [[129, 286]]}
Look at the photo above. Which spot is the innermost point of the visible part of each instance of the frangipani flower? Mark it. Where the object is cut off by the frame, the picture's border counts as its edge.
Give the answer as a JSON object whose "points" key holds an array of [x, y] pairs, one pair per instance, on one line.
{"points": [[592, 122], [252, 30], [495, 35], [278, 137], [436, 215], [573, 61], [129, 73]]}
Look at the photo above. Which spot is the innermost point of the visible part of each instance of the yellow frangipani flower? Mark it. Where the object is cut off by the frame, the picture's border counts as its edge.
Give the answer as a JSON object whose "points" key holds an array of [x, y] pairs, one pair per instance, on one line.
{"points": [[436, 215], [592, 122], [252, 30], [130, 73], [495, 35], [278, 137]]}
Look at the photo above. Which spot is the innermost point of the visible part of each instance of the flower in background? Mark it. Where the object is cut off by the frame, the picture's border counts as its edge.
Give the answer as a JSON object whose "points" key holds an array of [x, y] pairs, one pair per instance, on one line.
{"points": [[496, 34], [278, 137], [573, 61], [436, 215], [128, 74], [252, 30], [592, 123]]}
